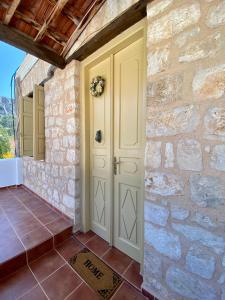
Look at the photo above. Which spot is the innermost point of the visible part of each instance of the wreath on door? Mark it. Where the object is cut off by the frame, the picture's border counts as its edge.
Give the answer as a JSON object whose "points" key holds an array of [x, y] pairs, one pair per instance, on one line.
{"points": [[97, 86]]}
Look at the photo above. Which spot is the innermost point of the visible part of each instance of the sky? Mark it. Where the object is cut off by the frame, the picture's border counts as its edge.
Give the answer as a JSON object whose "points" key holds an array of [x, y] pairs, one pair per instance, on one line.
{"points": [[10, 60]]}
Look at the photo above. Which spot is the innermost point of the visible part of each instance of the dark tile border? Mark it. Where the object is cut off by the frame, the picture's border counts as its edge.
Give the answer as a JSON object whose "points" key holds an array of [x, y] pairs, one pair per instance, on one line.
{"points": [[148, 295]]}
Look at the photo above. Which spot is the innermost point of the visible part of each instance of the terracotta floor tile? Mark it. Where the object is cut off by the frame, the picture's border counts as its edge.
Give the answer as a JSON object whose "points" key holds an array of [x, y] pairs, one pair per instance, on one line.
{"points": [[49, 218], [46, 265], [83, 293], [35, 237], [42, 210], [24, 227], [35, 294], [69, 248], [12, 210], [9, 248], [32, 203], [39, 250], [17, 284], [66, 281], [98, 245], [127, 292], [61, 229], [117, 260], [13, 264], [59, 225], [22, 216], [133, 275], [84, 237], [6, 230]]}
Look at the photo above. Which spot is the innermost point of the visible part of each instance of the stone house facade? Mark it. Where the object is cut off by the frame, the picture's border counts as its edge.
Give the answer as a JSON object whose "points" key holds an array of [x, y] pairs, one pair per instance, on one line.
{"points": [[184, 210]]}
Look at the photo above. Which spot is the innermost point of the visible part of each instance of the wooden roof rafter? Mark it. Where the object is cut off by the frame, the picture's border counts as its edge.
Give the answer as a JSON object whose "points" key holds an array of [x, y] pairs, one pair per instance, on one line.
{"points": [[94, 8], [11, 10], [54, 14]]}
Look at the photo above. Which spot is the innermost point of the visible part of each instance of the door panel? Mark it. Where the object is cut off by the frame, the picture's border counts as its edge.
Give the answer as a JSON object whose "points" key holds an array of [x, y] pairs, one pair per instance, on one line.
{"points": [[128, 114], [100, 180]]}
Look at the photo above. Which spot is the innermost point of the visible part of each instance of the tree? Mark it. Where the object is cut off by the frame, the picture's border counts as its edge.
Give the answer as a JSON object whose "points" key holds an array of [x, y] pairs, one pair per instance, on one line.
{"points": [[7, 123], [4, 142]]}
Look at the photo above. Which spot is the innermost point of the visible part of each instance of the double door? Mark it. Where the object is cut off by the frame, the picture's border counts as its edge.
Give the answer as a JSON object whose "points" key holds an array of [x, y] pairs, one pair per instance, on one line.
{"points": [[116, 149]]}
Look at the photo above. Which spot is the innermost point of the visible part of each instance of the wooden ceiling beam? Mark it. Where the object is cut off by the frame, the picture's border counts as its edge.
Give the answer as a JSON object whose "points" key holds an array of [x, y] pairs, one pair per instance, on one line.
{"points": [[54, 14], [11, 10], [131, 16], [26, 43]]}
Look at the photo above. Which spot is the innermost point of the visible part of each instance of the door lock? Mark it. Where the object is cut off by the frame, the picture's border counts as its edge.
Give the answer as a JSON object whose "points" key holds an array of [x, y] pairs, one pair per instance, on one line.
{"points": [[115, 164]]}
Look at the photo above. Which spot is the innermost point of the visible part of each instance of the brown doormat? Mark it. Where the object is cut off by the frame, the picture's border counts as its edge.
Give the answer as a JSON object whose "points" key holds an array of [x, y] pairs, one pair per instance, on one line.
{"points": [[96, 273]]}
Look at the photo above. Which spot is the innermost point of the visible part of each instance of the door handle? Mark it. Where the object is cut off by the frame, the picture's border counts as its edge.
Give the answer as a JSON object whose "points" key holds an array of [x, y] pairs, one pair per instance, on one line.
{"points": [[115, 164]]}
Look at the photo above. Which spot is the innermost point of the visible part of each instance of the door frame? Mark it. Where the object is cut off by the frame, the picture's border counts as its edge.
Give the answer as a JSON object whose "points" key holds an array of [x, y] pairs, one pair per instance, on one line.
{"points": [[121, 41]]}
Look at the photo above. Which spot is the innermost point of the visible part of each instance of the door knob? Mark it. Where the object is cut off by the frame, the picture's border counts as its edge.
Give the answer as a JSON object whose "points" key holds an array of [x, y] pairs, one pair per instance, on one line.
{"points": [[98, 136]]}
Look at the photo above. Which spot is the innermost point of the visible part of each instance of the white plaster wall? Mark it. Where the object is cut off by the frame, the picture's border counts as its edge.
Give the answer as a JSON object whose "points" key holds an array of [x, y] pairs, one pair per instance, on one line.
{"points": [[11, 172]]}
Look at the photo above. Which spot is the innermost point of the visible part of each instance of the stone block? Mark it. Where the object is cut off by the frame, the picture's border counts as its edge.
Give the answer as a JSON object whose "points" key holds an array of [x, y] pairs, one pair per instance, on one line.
{"points": [[164, 184], [204, 221], [71, 187], [184, 37], [169, 156], [206, 238], [223, 293], [173, 23], [201, 49], [217, 159], [200, 262], [71, 156], [189, 287], [158, 60], [179, 120], [189, 155], [209, 83], [216, 15], [207, 191], [155, 214], [179, 213], [153, 263], [214, 123], [157, 8], [163, 241], [153, 155], [71, 126], [69, 201], [166, 90], [223, 262]]}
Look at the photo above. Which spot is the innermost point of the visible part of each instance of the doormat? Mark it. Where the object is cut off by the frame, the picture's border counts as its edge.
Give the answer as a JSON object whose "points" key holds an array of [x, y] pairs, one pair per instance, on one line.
{"points": [[96, 273]]}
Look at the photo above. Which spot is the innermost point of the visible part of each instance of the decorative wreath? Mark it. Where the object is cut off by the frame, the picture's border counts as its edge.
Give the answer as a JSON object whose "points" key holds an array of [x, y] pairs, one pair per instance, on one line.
{"points": [[97, 86]]}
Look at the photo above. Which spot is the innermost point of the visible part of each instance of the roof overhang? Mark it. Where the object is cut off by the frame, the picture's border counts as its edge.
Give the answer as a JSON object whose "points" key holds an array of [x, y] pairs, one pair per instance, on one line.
{"points": [[48, 29]]}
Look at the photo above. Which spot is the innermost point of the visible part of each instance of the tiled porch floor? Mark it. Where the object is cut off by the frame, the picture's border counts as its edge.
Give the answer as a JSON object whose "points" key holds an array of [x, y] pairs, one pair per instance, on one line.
{"points": [[47, 273], [28, 228], [51, 276]]}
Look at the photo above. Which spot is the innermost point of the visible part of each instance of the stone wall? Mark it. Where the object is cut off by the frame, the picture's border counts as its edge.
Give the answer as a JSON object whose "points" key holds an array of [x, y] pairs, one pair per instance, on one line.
{"points": [[57, 178], [185, 150]]}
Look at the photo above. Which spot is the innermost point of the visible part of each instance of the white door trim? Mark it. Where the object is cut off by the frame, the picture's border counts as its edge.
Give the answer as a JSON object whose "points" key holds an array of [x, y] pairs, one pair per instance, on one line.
{"points": [[118, 43]]}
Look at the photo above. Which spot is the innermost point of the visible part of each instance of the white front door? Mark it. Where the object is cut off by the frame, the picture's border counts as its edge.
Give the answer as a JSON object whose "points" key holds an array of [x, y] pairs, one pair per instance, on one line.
{"points": [[116, 162]]}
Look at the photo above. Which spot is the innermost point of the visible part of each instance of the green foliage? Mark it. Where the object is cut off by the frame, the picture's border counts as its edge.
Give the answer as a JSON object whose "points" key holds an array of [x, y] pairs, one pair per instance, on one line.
{"points": [[6, 121], [4, 142]]}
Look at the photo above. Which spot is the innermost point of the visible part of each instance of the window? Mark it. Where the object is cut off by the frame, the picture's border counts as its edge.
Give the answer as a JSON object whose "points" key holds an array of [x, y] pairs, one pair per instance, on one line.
{"points": [[32, 125]]}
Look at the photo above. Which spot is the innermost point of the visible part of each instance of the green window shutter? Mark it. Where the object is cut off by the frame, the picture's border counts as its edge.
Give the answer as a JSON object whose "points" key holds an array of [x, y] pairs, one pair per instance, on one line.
{"points": [[26, 126], [39, 123]]}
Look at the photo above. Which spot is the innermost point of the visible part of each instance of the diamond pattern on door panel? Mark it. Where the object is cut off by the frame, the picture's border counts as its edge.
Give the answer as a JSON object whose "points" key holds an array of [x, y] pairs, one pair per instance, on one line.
{"points": [[128, 213], [99, 201]]}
